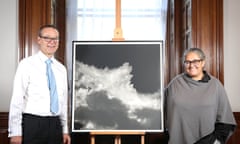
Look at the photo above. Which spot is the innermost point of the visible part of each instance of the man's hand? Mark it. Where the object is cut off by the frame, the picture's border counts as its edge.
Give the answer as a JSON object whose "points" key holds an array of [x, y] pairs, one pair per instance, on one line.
{"points": [[16, 140], [66, 139]]}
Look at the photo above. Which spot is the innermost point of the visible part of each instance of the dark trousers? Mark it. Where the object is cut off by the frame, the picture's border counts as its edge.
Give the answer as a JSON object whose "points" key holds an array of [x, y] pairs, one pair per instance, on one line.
{"points": [[41, 130]]}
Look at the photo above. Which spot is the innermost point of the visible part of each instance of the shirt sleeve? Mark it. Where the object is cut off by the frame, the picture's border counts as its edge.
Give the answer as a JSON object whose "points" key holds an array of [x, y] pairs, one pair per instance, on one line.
{"points": [[17, 101], [223, 131], [64, 113]]}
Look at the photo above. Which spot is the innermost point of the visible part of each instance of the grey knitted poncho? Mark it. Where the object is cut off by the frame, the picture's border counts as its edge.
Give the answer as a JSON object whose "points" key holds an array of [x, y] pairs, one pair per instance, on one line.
{"points": [[193, 108]]}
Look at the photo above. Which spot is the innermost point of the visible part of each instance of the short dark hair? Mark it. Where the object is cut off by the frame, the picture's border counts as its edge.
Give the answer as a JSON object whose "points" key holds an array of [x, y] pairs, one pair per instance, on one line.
{"points": [[46, 26]]}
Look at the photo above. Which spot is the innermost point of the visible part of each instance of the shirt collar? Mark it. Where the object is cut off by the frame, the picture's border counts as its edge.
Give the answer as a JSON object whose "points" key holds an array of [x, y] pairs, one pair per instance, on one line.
{"points": [[43, 57], [205, 78]]}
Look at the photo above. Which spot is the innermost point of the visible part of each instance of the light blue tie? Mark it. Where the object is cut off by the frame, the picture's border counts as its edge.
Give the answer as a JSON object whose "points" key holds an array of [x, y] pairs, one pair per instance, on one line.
{"points": [[52, 88]]}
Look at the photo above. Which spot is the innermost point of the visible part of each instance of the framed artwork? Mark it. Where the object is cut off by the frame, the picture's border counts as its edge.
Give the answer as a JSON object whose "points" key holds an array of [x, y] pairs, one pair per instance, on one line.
{"points": [[117, 86]]}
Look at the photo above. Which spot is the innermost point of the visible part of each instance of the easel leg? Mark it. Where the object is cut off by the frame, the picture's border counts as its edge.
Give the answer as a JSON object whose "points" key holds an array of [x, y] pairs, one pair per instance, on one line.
{"points": [[92, 139], [142, 139], [117, 139]]}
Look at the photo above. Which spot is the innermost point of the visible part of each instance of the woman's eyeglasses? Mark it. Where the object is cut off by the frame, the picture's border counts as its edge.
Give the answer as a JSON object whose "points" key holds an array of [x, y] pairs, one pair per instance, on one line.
{"points": [[195, 62]]}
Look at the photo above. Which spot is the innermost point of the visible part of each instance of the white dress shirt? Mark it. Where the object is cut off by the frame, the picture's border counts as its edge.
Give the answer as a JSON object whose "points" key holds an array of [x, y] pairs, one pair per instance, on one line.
{"points": [[31, 93]]}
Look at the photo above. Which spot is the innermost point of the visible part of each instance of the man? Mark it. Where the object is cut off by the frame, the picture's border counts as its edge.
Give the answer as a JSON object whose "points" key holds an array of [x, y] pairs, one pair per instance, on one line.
{"points": [[31, 118]]}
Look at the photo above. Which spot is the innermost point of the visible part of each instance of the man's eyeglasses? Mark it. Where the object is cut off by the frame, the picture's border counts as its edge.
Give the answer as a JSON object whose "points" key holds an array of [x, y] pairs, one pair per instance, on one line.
{"points": [[49, 39], [195, 62]]}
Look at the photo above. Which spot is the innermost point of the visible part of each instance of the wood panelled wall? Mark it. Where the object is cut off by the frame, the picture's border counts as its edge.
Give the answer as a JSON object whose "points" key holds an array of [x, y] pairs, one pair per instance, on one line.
{"points": [[32, 15], [191, 23], [4, 128], [196, 23], [207, 33], [85, 139]]}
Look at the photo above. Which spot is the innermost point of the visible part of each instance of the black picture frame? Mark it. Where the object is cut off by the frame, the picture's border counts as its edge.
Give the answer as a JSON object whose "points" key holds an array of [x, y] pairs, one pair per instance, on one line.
{"points": [[117, 86]]}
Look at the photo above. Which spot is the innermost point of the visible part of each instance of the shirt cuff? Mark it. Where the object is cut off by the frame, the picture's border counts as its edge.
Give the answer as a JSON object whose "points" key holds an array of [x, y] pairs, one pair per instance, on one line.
{"points": [[15, 131]]}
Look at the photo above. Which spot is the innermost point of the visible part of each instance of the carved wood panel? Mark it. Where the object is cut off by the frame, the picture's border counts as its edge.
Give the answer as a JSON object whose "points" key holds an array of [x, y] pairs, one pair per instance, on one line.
{"points": [[174, 47], [192, 23], [207, 33], [196, 23], [32, 15], [3, 128]]}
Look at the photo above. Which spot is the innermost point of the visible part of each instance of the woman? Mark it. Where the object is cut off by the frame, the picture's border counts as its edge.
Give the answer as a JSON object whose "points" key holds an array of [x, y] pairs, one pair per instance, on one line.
{"points": [[197, 106]]}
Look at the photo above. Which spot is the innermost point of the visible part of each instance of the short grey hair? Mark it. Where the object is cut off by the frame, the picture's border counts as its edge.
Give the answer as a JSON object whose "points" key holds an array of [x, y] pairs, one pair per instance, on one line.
{"points": [[197, 51], [46, 26]]}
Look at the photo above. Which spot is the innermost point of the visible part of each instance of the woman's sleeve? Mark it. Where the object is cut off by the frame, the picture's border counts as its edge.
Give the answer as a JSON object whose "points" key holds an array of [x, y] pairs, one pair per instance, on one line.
{"points": [[223, 131], [225, 123]]}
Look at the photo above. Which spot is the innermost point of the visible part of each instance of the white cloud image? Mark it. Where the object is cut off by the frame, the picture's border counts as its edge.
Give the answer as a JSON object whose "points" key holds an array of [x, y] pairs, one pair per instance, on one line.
{"points": [[105, 98]]}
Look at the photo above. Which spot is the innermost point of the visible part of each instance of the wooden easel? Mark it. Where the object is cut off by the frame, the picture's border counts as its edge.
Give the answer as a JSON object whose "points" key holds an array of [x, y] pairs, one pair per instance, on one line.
{"points": [[118, 36], [118, 33], [117, 135]]}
